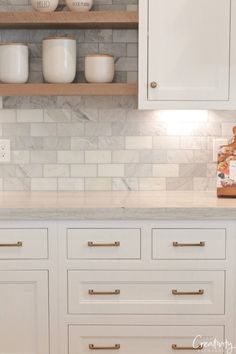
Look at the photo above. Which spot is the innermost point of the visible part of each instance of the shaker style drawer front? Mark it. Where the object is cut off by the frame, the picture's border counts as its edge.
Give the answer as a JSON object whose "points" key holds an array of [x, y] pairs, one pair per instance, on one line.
{"points": [[144, 339], [23, 244], [188, 244], [142, 292], [104, 243]]}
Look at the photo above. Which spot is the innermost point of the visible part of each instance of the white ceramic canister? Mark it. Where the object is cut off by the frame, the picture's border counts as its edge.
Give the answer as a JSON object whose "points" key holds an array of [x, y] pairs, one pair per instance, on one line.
{"points": [[45, 5], [14, 63], [59, 59], [99, 68], [79, 5]]}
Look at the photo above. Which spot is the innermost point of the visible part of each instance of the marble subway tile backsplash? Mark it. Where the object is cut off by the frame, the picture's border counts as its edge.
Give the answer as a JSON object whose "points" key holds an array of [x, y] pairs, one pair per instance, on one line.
{"points": [[102, 143], [86, 149]]}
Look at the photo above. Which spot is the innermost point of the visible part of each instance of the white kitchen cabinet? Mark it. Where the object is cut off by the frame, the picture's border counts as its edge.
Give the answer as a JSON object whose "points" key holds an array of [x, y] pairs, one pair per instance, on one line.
{"points": [[187, 54], [24, 327], [58, 295]]}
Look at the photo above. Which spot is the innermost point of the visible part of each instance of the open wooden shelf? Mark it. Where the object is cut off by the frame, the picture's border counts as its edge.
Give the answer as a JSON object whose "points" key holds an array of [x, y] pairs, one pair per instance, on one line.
{"points": [[68, 89], [69, 19]]}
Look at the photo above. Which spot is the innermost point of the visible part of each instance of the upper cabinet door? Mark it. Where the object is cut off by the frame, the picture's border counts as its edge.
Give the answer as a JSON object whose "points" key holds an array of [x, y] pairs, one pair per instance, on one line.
{"points": [[189, 49], [187, 54]]}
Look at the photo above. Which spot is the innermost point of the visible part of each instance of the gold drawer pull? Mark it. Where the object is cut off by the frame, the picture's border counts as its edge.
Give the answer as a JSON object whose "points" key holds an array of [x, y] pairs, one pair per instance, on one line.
{"points": [[115, 244], [17, 244], [92, 292], [93, 347], [199, 292], [175, 347], [200, 244]]}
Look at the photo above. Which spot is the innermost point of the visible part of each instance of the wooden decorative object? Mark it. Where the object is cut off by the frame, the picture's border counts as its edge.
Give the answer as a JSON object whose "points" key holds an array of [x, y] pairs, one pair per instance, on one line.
{"points": [[226, 171]]}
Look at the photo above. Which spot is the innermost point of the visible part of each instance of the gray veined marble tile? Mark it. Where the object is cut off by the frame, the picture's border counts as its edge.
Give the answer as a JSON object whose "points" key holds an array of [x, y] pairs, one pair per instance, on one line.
{"points": [[57, 115], [153, 156], [29, 170], [179, 184], [97, 129], [152, 184], [203, 184], [103, 35], [56, 143], [138, 170], [112, 115], [193, 170], [56, 170], [125, 156], [43, 156], [84, 143], [85, 115], [16, 184], [7, 171], [72, 129], [125, 184], [70, 184], [29, 115], [111, 143], [83, 170]]}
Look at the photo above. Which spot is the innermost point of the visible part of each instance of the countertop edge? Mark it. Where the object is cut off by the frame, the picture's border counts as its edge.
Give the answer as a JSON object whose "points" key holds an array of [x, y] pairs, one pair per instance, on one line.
{"points": [[118, 213]]}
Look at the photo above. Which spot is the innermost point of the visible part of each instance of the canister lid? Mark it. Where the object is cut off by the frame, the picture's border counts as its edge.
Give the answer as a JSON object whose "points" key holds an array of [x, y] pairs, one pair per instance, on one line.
{"points": [[58, 37], [100, 55], [14, 43]]}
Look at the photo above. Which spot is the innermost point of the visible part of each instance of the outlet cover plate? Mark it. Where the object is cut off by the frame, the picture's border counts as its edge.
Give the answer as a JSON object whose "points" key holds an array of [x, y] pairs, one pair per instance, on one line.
{"points": [[5, 151]]}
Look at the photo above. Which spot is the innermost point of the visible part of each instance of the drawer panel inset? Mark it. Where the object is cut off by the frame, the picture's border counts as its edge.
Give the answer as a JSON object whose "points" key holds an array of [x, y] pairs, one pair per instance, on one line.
{"points": [[146, 292], [23, 243], [104, 243], [145, 339], [188, 244]]}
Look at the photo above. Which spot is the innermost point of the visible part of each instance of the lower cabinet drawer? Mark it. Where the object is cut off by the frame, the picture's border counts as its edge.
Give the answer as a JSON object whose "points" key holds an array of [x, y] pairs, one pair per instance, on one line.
{"points": [[188, 244], [145, 339], [23, 243], [104, 244], [146, 292]]}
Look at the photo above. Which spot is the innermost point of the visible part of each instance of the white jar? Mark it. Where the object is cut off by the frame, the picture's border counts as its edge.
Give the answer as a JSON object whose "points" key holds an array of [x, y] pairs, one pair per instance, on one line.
{"points": [[79, 5], [45, 5], [59, 59], [99, 68], [14, 63]]}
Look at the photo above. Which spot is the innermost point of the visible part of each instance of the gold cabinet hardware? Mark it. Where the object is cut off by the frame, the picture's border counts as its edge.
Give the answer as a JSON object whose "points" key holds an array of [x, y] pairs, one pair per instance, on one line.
{"points": [[93, 347], [115, 292], [114, 244], [200, 244], [153, 84], [199, 292], [17, 244], [176, 347]]}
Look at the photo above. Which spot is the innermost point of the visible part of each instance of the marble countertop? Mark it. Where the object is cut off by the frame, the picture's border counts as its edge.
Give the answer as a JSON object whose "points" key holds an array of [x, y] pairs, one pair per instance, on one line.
{"points": [[115, 206]]}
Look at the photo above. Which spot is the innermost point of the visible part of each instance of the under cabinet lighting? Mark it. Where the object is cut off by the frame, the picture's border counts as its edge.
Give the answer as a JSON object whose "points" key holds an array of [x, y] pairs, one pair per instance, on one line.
{"points": [[183, 122]]}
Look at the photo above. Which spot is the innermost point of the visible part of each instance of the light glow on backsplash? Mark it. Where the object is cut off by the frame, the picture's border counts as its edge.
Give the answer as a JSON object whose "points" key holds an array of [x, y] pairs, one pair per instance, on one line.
{"points": [[183, 122]]}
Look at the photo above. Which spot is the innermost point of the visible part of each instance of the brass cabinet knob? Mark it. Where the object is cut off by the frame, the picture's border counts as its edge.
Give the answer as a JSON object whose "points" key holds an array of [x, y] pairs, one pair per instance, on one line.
{"points": [[153, 84]]}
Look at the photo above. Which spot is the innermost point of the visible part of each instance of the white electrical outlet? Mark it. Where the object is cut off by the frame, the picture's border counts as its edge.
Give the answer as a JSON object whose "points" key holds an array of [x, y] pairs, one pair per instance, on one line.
{"points": [[217, 143], [5, 151]]}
